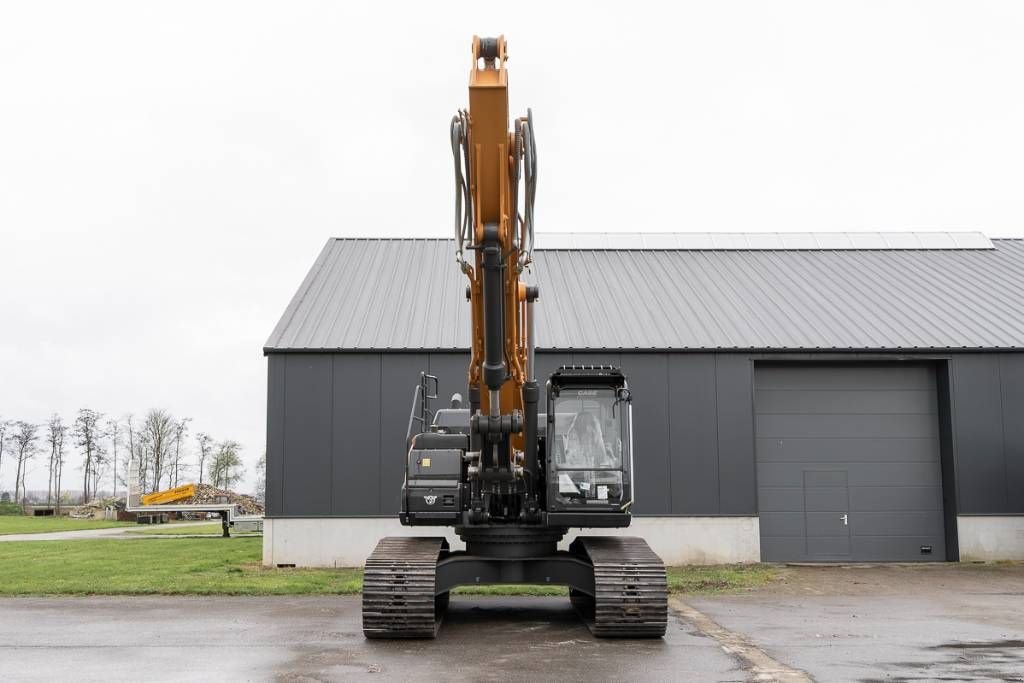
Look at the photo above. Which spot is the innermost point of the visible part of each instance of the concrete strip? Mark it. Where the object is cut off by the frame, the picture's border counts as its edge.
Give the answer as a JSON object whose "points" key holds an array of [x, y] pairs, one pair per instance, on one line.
{"points": [[347, 541], [120, 532], [758, 662]]}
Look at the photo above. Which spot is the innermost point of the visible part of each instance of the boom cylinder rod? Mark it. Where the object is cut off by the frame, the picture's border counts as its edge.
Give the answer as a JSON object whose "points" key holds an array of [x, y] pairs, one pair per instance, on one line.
{"points": [[494, 371]]}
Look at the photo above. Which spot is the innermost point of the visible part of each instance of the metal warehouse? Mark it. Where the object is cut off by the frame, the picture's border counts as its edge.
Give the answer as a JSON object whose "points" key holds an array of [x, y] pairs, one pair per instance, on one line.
{"points": [[797, 397]]}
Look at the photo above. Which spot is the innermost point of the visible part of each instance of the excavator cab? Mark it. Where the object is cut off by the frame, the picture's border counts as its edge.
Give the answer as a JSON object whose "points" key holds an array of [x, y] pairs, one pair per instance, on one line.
{"points": [[589, 439]]}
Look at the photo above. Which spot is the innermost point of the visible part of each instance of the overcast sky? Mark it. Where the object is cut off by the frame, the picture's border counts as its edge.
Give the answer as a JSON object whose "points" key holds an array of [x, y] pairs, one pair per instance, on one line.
{"points": [[169, 171]]}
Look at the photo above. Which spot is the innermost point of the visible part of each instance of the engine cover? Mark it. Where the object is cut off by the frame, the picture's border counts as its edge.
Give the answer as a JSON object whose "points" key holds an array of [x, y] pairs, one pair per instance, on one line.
{"points": [[432, 491]]}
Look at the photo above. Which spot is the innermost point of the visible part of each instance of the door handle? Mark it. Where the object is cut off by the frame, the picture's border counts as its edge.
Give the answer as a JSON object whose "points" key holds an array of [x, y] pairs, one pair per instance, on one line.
{"points": [[846, 520]]}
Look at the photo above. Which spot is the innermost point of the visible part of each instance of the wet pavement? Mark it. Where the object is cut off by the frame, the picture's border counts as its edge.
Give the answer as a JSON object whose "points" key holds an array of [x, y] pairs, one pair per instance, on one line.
{"points": [[884, 623], [318, 638], [954, 622]]}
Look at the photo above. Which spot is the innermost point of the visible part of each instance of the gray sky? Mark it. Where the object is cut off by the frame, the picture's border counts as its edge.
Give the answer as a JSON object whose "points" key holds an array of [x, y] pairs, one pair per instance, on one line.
{"points": [[169, 171]]}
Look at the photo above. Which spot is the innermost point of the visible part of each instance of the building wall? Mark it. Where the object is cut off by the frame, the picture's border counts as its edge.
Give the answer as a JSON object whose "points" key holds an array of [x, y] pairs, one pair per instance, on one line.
{"points": [[337, 425]]}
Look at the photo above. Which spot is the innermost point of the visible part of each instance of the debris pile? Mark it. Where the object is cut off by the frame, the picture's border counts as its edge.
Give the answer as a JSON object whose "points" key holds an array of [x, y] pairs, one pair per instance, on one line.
{"points": [[95, 508], [205, 494]]}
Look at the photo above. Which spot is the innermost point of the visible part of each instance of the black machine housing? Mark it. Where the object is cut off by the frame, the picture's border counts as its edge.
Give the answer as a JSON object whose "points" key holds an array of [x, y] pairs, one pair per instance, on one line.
{"points": [[583, 475]]}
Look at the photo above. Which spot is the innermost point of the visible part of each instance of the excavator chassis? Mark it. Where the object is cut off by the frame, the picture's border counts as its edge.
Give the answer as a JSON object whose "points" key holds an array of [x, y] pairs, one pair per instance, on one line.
{"points": [[616, 583]]}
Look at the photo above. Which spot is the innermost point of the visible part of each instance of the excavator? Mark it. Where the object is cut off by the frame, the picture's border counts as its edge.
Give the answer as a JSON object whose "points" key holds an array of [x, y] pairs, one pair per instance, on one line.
{"points": [[510, 479]]}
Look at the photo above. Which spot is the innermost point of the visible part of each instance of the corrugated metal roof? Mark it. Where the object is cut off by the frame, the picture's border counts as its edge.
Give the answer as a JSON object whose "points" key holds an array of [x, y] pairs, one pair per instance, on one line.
{"points": [[408, 294], [750, 241]]}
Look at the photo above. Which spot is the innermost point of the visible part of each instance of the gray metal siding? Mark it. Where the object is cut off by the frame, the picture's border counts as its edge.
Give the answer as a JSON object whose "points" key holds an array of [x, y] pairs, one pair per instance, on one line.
{"points": [[1011, 375], [307, 481], [695, 431], [647, 375], [356, 410], [848, 461], [675, 299], [399, 374], [737, 489], [988, 432], [274, 483]]}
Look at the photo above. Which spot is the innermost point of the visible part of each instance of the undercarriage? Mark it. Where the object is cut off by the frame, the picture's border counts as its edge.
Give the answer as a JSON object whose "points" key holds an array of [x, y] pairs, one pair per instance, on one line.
{"points": [[617, 584]]}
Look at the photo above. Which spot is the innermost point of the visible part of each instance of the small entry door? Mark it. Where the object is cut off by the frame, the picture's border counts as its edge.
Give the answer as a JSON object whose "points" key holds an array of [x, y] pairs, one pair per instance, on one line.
{"points": [[827, 513]]}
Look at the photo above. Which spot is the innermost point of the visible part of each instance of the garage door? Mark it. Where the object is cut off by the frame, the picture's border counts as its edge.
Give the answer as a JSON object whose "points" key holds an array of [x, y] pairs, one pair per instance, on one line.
{"points": [[848, 463]]}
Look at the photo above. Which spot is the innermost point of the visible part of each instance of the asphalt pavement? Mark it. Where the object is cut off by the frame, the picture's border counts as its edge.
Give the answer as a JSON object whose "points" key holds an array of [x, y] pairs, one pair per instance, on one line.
{"points": [[884, 623], [928, 622], [319, 638]]}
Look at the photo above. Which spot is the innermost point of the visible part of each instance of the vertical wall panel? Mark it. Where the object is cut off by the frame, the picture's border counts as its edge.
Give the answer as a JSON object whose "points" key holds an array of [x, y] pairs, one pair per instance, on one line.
{"points": [[275, 434], [399, 375], [648, 381], [736, 465], [978, 434], [547, 363], [693, 430], [355, 443], [306, 484], [1011, 376], [452, 372]]}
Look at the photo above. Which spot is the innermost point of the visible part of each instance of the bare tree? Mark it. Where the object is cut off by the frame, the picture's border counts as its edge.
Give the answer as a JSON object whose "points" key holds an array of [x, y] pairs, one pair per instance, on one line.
{"points": [[226, 467], [5, 427], [180, 430], [158, 436], [59, 465], [88, 433], [205, 443], [261, 478], [136, 453], [114, 433], [24, 437], [56, 430]]}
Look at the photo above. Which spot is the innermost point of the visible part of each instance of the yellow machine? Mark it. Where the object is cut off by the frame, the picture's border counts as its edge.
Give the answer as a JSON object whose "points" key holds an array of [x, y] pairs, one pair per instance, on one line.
{"points": [[511, 480], [169, 495]]}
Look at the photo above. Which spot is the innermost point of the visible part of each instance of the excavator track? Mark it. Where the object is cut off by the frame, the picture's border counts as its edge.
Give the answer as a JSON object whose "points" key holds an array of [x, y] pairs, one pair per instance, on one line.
{"points": [[398, 589], [630, 588]]}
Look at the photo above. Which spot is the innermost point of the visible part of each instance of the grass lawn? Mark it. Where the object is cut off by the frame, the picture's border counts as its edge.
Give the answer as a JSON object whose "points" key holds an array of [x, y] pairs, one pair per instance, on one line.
{"points": [[219, 566], [20, 524]]}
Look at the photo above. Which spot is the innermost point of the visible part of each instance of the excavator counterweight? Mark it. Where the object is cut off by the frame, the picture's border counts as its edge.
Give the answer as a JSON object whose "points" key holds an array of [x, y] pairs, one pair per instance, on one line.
{"points": [[510, 479]]}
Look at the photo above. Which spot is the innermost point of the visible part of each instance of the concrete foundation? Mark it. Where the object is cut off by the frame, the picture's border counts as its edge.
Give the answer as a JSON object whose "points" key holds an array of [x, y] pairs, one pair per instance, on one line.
{"points": [[345, 542], [991, 537]]}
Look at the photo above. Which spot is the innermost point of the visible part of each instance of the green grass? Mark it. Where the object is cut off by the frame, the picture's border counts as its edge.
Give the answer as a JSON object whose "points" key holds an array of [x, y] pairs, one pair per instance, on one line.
{"points": [[721, 578], [211, 529], [219, 566], [169, 566], [40, 525]]}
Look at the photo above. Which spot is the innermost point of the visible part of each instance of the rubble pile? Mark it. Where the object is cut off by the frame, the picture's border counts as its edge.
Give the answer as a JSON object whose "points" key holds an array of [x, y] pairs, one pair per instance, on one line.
{"points": [[247, 505], [96, 507]]}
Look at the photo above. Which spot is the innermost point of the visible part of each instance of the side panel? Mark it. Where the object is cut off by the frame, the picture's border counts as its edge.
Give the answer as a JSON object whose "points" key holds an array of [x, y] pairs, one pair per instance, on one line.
{"points": [[355, 445], [978, 434], [547, 363], [648, 380], [1011, 374], [693, 432], [737, 488], [400, 373], [306, 485], [452, 372], [275, 434]]}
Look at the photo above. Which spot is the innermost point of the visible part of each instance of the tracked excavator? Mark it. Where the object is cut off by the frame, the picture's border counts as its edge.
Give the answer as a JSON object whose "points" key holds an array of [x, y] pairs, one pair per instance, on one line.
{"points": [[513, 480]]}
